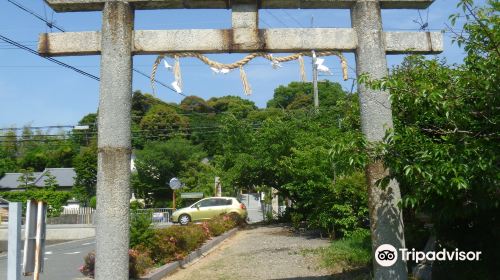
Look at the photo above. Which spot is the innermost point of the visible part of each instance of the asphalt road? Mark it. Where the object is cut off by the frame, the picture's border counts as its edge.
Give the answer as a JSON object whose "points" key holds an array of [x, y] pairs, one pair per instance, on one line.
{"points": [[62, 260]]}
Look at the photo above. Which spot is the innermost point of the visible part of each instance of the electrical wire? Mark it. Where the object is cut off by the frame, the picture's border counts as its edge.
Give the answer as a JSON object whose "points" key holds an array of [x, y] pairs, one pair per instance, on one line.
{"points": [[50, 24], [277, 18], [293, 18], [21, 46]]}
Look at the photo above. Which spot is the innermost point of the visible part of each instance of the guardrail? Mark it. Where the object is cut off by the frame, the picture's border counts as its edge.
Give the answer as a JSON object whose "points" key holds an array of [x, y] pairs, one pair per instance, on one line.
{"points": [[158, 215]]}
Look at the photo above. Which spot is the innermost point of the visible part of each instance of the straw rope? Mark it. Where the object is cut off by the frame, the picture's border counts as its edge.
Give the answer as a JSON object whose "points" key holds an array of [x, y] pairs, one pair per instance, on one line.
{"points": [[240, 63]]}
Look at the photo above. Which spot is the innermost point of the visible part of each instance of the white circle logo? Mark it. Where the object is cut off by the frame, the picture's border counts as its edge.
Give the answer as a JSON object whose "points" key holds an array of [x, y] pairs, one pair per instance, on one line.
{"points": [[386, 255]]}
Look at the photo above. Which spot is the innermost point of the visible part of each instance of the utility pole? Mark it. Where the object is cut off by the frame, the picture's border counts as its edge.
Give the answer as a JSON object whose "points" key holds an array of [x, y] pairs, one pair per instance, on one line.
{"points": [[315, 81]]}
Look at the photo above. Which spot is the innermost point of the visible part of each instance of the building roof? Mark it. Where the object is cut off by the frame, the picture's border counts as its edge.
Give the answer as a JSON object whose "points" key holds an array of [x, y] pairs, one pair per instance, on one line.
{"points": [[65, 177], [9, 180]]}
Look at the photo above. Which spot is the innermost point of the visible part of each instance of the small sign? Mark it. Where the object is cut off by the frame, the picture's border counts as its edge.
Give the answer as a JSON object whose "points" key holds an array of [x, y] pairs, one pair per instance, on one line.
{"points": [[175, 183], [192, 195]]}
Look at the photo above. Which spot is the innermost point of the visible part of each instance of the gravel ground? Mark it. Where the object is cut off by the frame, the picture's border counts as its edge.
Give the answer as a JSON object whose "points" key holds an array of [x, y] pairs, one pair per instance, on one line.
{"points": [[259, 252]]}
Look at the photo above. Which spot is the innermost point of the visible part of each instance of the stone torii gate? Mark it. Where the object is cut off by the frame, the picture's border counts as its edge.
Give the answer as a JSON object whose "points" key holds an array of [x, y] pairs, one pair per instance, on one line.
{"points": [[118, 42]]}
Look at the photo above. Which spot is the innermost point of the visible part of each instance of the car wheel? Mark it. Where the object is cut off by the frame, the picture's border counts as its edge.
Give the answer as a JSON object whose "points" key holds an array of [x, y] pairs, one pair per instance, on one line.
{"points": [[184, 219]]}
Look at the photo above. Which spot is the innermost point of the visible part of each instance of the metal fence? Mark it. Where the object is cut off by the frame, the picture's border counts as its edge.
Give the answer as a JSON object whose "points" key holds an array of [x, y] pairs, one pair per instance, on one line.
{"points": [[86, 215], [82, 215], [158, 215]]}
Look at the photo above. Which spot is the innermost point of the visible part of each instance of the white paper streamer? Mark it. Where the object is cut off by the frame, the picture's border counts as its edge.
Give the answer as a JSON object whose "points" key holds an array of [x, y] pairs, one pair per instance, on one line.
{"points": [[168, 66], [176, 86], [220, 71], [321, 67], [276, 65]]}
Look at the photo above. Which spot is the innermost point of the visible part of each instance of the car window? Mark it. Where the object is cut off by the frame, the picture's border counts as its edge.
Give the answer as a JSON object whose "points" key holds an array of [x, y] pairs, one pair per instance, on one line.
{"points": [[207, 203], [223, 202]]}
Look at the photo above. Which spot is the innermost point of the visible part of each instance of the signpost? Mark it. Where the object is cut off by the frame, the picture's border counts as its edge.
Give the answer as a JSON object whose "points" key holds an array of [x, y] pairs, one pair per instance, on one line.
{"points": [[175, 184]]}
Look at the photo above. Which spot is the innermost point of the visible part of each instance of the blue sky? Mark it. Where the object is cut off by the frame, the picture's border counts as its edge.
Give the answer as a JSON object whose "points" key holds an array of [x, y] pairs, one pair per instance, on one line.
{"points": [[36, 92]]}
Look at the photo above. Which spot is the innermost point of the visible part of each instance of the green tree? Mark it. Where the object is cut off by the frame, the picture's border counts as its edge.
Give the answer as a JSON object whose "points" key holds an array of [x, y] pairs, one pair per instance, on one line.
{"points": [[50, 181], [444, 149], [159, 162], [85, 164], [54, 199], [195, 104], [232, 104], [162, 122], [83, 137], [297, 95], [142, 103], [8, 151], [27, 178]]}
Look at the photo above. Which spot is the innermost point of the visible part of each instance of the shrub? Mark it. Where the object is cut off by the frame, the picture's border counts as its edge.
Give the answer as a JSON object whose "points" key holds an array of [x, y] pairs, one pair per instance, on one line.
{"points": [[139, 262], [176, 242], [152, 247], [93, 202], [88, 267], [342, 209], [141, 232], [350, 252], [134, 205], [55, 199]]}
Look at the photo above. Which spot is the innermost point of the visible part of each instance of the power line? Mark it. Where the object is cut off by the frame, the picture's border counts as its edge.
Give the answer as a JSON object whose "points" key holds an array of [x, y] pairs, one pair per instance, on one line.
{"points": [[51, 24], [48, 23], [21, 46], [277, 18], [293, 18]]}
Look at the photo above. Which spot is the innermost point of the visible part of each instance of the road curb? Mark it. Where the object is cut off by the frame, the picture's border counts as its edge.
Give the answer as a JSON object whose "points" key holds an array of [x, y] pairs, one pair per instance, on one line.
{"points": [[194, 256]]}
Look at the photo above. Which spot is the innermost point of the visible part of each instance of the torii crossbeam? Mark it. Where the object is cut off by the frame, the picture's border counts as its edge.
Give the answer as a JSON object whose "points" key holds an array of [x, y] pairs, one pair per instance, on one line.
{"points": [[118, 42]]}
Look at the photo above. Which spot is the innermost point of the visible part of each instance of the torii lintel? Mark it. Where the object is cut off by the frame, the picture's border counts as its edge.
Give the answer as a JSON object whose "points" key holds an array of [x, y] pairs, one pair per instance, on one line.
{"points": [[97, 5], [223, 41]]}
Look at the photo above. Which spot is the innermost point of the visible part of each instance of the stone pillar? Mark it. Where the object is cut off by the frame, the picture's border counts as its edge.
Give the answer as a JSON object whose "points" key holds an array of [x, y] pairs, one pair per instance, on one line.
{"points": [[114, 142], [376, 117], [275, 203], [244, 22]]}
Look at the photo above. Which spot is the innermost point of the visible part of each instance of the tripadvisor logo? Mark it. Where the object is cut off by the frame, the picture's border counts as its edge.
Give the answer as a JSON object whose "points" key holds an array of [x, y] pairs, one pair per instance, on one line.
{"points": [[387, 255]]}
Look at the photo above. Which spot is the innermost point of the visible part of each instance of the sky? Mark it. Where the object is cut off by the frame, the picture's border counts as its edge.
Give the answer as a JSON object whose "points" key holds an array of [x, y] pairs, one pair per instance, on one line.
{"points": [[36, 92]]}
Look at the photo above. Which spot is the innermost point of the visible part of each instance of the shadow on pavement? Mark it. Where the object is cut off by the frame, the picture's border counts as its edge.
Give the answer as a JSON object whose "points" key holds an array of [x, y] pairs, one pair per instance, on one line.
{"points": [[362, 273]]}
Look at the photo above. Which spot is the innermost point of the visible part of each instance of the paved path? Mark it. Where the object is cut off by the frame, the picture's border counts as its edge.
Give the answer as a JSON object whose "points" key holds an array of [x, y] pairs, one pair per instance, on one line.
{"points": [[61, 260], [254, 208], [265, 252]]}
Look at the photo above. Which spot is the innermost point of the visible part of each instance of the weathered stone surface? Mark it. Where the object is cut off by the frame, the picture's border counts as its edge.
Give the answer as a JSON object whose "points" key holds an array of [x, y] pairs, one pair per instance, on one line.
{"points": [[413, 42], [386, 221], [114, 142], [223, 41], [97, 5]]}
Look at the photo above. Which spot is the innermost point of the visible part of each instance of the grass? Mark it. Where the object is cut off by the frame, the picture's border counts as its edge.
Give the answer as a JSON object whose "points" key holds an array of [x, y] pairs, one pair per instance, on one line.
{"points": [[348, 253]]}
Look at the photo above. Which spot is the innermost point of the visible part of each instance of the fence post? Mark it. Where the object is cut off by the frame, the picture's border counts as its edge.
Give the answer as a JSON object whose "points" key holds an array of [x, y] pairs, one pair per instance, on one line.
{"points": [[14, 246]]}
